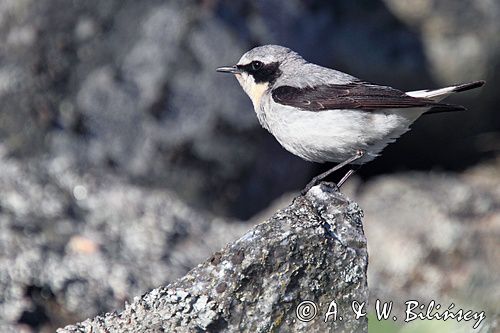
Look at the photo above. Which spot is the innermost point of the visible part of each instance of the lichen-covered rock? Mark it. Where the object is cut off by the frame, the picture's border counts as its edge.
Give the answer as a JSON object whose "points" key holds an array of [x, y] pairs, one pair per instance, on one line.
{"points": [[312, 250], [434, 236], [73, 245], [448, 230]]}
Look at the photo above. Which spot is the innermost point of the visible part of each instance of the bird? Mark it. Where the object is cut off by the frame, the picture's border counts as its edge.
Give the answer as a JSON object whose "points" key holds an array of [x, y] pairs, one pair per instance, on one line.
{"points": [[324, 115]]}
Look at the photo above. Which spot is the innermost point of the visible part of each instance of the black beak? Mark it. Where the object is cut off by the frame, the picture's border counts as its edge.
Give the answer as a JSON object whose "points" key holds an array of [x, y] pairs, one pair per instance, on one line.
{"points": [[229, 69]]}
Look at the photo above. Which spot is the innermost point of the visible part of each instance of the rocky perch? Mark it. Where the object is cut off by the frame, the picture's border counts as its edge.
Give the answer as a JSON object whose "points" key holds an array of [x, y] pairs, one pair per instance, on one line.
{"points": [[313, 250]]}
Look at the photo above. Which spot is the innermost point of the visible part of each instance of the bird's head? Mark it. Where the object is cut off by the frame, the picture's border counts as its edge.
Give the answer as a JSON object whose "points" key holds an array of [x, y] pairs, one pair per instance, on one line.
{"points": [[259, 68]]}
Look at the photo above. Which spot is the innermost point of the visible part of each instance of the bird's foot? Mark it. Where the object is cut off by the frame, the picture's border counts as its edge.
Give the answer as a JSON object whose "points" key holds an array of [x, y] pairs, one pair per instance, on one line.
{"points": [[317, 179], [315, 182]]}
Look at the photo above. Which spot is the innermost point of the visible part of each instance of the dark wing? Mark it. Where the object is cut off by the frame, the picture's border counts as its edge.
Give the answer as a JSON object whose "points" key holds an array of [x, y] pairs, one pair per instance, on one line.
{"points": [[355, 95]]}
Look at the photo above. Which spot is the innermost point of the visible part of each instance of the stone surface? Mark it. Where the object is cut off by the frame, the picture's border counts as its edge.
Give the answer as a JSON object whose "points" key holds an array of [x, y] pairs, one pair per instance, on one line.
{"points": [[313, 250], [118, 98], [74, 244], [434, 236]]}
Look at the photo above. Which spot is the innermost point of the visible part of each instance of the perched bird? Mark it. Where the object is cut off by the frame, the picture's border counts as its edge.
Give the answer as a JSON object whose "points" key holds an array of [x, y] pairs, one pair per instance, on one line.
{"points": [[323, 115]]}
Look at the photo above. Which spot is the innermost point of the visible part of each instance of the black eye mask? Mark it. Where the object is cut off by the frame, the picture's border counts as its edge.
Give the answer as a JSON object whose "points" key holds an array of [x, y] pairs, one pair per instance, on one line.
{"points": [[262, 72]]}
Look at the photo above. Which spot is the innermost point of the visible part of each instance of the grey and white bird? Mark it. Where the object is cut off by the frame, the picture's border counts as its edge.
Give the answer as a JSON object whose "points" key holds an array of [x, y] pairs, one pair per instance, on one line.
{"points": [[323, 115]]}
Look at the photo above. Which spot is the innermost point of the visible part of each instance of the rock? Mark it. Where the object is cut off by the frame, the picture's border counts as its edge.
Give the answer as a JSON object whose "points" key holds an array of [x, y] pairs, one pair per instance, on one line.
{"points": [[125, 91], [74, 244], [435, 237], [312, 250], [432, 236]]}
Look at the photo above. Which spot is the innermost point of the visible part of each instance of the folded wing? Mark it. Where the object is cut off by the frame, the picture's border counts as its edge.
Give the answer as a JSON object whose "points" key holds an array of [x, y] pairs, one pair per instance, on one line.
{"points": [[355, 95]]}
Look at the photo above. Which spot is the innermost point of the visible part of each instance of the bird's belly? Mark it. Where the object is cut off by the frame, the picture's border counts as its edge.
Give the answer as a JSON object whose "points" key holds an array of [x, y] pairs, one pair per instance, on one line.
{"points": [[334, 135]]}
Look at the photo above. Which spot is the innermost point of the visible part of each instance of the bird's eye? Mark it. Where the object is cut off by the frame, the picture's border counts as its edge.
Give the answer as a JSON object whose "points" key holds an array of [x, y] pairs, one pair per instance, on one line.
{"points": [[256, 65]]}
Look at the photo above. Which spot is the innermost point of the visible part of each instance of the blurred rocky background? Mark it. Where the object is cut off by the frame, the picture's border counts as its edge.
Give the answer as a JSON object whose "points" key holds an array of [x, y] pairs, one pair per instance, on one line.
{"points": [[125, 159]]}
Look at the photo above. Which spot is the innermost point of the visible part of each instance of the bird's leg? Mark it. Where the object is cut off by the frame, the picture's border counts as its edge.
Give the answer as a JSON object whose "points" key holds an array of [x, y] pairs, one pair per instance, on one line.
{"points": [[347, 175], [322, 176]]}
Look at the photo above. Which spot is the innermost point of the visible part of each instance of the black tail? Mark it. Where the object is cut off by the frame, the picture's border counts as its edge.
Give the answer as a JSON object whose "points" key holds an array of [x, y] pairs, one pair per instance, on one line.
{"points": [[443, 107], [469, 86]]}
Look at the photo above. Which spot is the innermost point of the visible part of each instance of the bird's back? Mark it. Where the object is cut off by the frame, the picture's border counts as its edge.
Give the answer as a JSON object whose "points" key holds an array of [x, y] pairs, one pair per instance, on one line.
{"points": [[301, 74]]}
